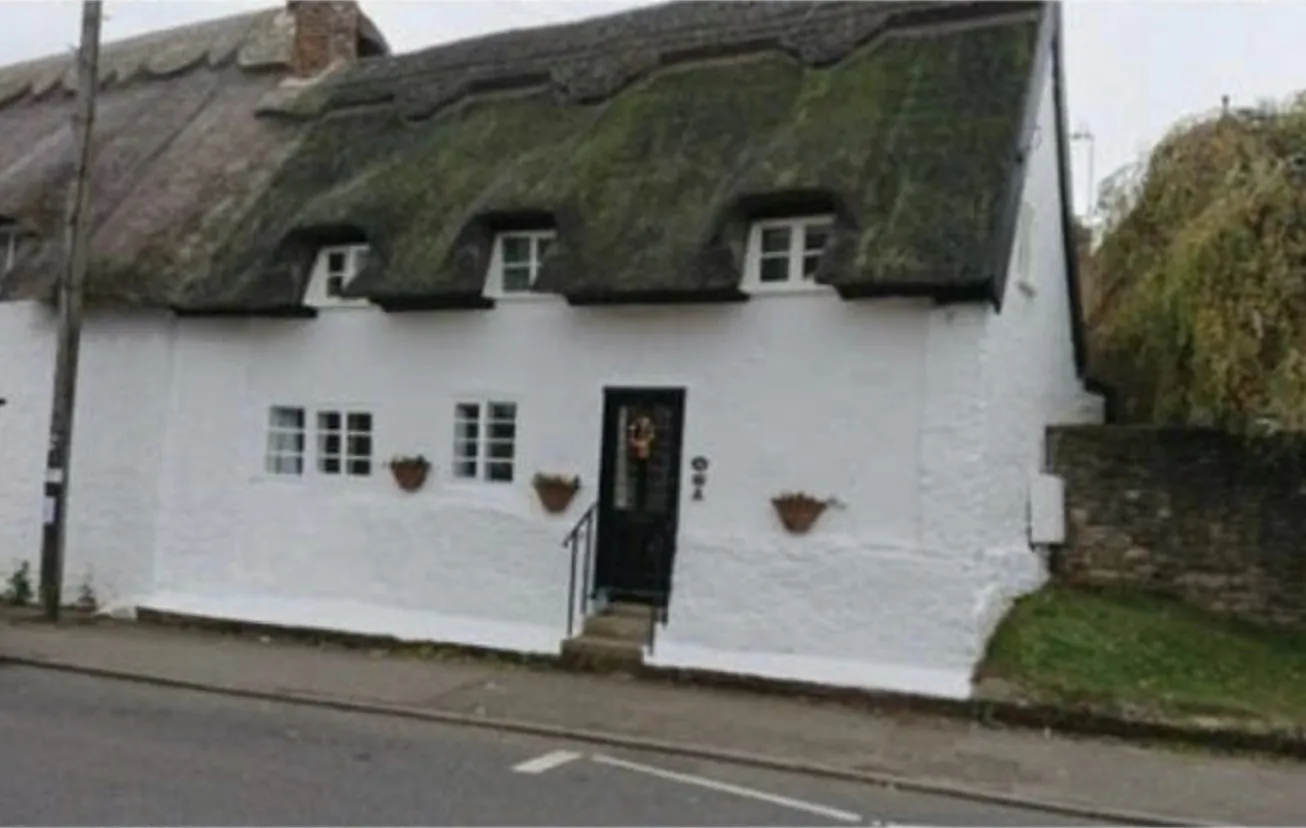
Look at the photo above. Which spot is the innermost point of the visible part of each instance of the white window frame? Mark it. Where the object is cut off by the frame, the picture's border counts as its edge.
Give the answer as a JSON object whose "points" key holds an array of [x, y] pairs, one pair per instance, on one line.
{"points": [[494, 280], [482, 441], [312, 455], [1023, 255], [319, 286], [345, 432], [277, 460], [8, 246], [797, 226]]}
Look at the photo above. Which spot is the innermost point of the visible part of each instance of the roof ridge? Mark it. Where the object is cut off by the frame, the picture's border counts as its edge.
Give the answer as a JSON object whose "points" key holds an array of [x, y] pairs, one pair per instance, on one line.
{"points": [[542, 32], [740, 29], [591, 58], [158, 53], [108, 47]]}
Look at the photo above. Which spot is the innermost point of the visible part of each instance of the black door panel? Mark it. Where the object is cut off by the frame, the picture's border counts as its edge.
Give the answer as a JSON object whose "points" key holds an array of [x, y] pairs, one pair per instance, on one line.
{"points": [[639, 493]]}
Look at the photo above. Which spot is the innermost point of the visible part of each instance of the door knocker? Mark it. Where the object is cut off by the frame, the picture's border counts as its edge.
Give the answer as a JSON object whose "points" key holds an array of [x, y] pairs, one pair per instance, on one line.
{"points": [[639, 437]]}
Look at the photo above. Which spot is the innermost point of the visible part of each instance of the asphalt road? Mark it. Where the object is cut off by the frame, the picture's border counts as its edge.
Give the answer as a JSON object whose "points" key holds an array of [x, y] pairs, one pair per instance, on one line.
{"points": [[83, 751]]}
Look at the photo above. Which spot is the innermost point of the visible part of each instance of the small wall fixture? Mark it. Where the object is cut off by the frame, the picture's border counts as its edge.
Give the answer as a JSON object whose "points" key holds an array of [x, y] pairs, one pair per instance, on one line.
{"points": [[799, 510], [555, 490], [410, 472], [699, 478]]}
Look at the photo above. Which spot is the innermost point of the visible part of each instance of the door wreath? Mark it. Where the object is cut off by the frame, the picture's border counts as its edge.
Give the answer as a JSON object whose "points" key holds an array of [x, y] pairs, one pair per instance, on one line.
{"points": [[640, 436]]}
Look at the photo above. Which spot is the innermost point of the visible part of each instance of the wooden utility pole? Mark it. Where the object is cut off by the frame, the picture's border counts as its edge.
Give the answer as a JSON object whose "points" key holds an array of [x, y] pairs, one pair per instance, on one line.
{"points": [[71, 286]]}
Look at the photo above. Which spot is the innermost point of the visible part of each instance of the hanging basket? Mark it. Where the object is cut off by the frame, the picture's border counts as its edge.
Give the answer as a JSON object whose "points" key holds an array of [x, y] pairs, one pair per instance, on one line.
{"points": [[798, 511], [410, 472], [556, 491]]}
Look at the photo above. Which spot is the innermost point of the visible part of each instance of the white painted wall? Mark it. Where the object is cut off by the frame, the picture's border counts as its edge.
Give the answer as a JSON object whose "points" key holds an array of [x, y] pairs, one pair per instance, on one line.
{"points": [[927, 422], [775, 399], [989, 409], [123, 387], [26, 382], [861, 610], [1028, 367]]}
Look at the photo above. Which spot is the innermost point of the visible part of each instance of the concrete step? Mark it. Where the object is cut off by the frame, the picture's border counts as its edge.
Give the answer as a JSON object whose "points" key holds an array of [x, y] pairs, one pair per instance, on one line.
{"points": [[602, 654], [629, 610], [619, 627]]}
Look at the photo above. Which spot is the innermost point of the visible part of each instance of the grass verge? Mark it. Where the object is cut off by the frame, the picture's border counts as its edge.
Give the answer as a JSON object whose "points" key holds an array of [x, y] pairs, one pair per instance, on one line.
{"points": [[1132, 651]]}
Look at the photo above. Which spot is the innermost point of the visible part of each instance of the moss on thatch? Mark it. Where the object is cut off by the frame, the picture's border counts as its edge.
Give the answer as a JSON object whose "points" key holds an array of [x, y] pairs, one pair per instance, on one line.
{"points": [[912, 137], [1203, 278]]}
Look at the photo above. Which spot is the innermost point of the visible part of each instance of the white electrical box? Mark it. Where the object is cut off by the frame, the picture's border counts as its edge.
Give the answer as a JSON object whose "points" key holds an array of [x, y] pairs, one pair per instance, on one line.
{"points": [[1047, 509]]}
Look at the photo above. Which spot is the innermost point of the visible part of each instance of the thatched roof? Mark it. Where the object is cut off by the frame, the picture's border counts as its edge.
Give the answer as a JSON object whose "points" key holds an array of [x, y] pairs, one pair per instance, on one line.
{"points": [[649, 138], [179, 153]]}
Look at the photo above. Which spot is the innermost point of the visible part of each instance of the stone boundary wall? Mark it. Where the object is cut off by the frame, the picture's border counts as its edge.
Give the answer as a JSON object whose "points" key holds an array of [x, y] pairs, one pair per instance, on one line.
{"points": [[1194, 514]]}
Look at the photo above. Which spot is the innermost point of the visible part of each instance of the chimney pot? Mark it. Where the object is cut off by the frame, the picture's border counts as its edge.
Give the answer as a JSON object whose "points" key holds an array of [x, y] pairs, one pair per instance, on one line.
{"points": [[326, 33]]}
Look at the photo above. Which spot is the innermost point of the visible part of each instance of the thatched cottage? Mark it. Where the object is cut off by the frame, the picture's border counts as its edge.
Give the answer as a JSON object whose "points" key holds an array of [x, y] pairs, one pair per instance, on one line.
{"points": [[721, 334]]}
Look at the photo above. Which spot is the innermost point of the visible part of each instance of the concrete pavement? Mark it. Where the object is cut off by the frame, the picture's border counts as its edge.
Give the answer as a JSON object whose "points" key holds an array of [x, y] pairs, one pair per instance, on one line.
{"points": [[90, 751], [1108, 782]]}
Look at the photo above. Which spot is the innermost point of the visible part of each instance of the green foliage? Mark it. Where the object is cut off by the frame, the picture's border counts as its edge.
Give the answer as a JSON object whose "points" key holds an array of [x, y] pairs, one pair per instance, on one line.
{"points": [[1202, 277], [1065, 645], [86, 598], [19, 592]]}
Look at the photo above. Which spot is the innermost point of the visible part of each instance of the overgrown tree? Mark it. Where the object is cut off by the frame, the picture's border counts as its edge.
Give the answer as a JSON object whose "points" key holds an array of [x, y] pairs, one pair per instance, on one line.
{"points": [[1200, 317], [1088, 284]]}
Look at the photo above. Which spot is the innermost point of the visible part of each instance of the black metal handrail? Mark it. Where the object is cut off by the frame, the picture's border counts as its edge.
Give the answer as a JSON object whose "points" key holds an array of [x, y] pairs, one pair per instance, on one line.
{"points": [[580, 541], [657, 618], [659, 614]]}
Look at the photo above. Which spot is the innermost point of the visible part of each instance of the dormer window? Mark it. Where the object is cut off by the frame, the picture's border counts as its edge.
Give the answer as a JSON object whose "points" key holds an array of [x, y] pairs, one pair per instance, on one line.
{"points": [[335, 268], [785, 252], [515, 261], [8, 246]]}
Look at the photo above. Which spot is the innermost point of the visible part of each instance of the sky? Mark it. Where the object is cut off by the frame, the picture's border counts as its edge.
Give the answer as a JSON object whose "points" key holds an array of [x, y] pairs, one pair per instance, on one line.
{"points": [[1134, 68]]}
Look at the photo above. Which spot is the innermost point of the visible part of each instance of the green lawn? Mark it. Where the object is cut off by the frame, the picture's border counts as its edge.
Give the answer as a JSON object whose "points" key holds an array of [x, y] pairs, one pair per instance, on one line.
{"points": [[1065, 645]]}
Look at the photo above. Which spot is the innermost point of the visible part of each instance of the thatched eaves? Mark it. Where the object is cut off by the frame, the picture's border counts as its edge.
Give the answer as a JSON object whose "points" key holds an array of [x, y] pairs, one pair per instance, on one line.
{"points": [[649, 139], [179, 152]]}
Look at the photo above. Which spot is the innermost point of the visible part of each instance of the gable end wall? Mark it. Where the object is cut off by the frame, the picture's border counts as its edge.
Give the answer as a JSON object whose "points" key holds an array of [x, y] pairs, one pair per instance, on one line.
{"points": [[124, 387], [995, 381]]}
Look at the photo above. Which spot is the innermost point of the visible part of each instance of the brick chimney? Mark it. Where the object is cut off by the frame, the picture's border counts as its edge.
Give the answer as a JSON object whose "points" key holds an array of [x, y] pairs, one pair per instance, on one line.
{"points": [[326, 34]]}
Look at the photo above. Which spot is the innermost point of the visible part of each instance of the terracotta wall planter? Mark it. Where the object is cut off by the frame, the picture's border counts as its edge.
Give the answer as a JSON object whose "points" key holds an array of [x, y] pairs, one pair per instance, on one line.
{"points": [[555, 491], [798, 511], [410, 472]]}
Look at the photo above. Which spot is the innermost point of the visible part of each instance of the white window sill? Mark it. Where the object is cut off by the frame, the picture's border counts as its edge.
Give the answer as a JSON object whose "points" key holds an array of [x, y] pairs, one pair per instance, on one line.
{"points": [[523, 296], [314, 478], [476, 484], [786, 289], [474, 491], [361, 304], [277, 479]]}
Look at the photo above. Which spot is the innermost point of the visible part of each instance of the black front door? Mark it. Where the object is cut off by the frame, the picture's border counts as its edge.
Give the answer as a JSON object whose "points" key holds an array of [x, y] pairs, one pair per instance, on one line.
{"points": [[639, 493]]}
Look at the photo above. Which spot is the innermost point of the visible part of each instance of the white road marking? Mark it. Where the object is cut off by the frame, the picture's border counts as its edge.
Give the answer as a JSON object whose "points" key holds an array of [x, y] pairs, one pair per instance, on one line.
{"points": [[547, 762], [725, 787]]}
